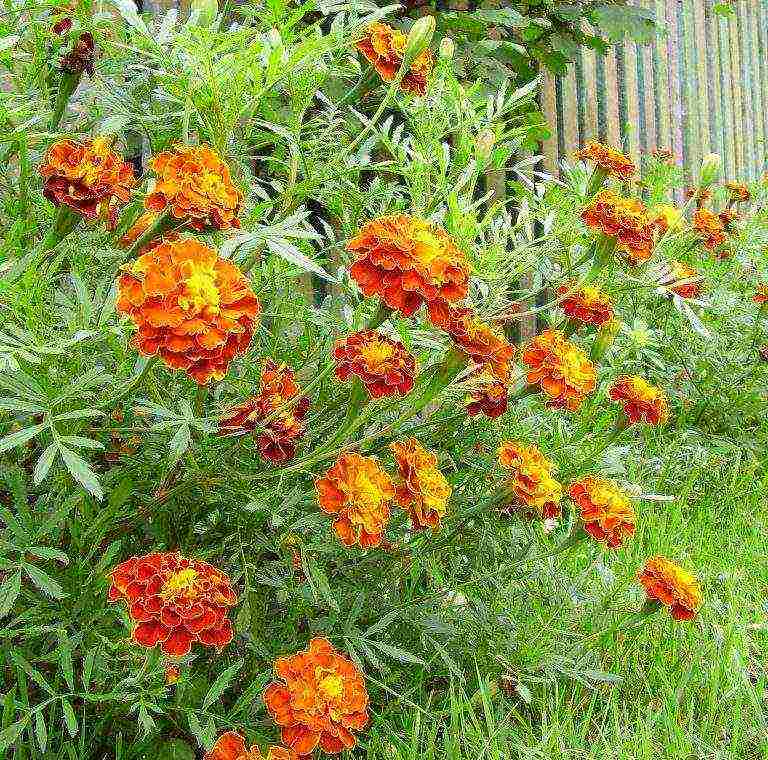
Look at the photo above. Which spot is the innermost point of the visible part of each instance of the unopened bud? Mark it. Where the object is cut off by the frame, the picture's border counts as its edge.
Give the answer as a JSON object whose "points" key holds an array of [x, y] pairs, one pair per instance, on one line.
{"points": [[418, 40], [205, 11], [447, 48], [484, 143]]}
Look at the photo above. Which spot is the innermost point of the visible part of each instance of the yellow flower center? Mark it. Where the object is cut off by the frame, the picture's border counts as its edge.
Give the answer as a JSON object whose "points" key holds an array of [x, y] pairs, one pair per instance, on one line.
{"points": [[590, 294], [365, 492], [200, 291], [429, 252], [377, 354], [182, 583], [331, 686]]}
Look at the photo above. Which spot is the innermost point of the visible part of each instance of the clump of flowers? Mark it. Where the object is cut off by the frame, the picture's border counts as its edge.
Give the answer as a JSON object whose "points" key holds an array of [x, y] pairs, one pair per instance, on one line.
{"points": [[641, 401], [424, 490], [738, 192], [586, 303], [231, 746], [684, 280], [669, 584], [194, 184], [277, 440], [709, 227], [612, 162], [604, 509], [174, 601], [359, 493], [86, 176], [318, 700], [384, 366], [193, 309], [761, 294], [533, 489], [407, 261], [560, 368]]}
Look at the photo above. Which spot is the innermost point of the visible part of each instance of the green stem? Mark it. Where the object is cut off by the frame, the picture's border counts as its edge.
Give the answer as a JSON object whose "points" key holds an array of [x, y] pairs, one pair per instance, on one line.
{"points": [[596, 181], [160, 225], [131, 385], [67, 86]]}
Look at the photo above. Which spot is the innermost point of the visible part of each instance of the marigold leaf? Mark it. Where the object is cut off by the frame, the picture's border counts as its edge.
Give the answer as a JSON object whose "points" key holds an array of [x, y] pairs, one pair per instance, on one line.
{"points": [[9, 592], [20, 437], [41, 732], [80, 470], [398, 654], [321, 579], [220, 685], [70, 721], [43, 581], [9, 735], [32, 672], [43, 465]]}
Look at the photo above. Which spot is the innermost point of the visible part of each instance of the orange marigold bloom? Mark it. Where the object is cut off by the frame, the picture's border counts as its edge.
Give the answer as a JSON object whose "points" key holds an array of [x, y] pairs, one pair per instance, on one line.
{"points": [[625, 219], [319, 699], [384, 366], [487, 394], [384, 48], [277, 440], [680, 271], [587, 303], [87, 176], [641, 401], [607, 513], [358, 492], [424, 490], [172, 674], [710, 227], [532, 486], [193, 309], [738, 192], [611, 161], [761, 294], [561, 368], [174, 601], [194, 183], [666, 582], [406, 261], [231, 746]]}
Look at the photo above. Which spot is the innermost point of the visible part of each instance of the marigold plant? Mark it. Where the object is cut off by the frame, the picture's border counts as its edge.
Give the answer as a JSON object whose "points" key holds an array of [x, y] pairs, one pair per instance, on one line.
{"points": [[604, 509], [738, 192], [709, 227], [669, 584], [640, 401], [586, 303], [487, 394], [613, 162], [531, 486]]}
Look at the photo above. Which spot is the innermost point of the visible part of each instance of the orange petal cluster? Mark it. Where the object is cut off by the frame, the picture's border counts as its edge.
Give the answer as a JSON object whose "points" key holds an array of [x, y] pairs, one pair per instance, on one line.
{"points": [[407, 261], [532, 487], [384, 366], [384, 48], [611, 161], [761, 294], [319, 699], [87, 176], [231, 746], [359, 493], [738, 192], [625, 219], [487, 394], [676, 588], [709, 227], [174, 601], [561, 368], [681, 271], [424, 490], [195, 185], [278, 437], [193, 309], [641, 401], [586, 303], [606, 512]]}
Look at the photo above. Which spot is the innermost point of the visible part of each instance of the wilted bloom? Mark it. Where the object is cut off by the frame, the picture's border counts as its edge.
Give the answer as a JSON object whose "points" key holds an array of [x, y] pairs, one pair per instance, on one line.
{"points": [[172, 674], [384, 47], [384, 366], [532, 487], [87, 176], [81, 57], [665, 217], [699, 194], [586, 303], [231, 746], [174, 601], [561, 368], [488, 394], [359, 493], [318, 699], [407, 261], [761, 294], [195, 185], [61, 23], [277, 438], [685, 280], [193, 309], [606, 512], [641, 401], [424, 490], [728, 216], [709, 227], [675, 588], [664, 155], [738, 192], [611, 161]]}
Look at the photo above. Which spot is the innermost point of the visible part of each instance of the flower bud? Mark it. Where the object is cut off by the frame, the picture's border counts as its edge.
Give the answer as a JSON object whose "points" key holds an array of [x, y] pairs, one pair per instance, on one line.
{"points": [[604, 339], [447, 48], [207, 10], [418, 40], [484, 143], [710, 168]]}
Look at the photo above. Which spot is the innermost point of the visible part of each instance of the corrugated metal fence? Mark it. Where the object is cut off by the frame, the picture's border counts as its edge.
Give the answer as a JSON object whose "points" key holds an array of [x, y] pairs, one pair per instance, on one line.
{"points": [[702, 88]]}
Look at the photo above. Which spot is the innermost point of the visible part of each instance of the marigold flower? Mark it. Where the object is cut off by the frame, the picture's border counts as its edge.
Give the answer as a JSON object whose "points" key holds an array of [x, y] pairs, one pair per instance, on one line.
{"points": [[81, 57], [193, 309], [586, 303], [384, 48], [408, 261], [738, 192], [195, 184], [487, 394], [319, 699], [641, 401], [534, 490], [666, 582], [174, 601], [710, 227], [606, 512], [87, 176], [679, 272], [700, 194], [424, 490], [761, 294], [172, 674], [665, 217], [359, 493], [384, 366], [611, 161], [231, 746], [664, 155], [728, 216], [561, 368], [277, 440]]}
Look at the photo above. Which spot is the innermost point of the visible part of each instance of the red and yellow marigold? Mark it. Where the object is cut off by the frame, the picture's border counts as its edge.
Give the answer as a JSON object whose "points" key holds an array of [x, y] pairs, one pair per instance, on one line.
{"points": [[318, 700], [407, 261], [86, 176], [532, 488], [738, 192], [709, 227], [424, 490], [604, 509], [586, 303], [488, 394], [671, 585], [194, 184], [174, 601], [611, 161], [641, 401], [761, 294], [685, 280], [384, 48], [278, 436], [231, 746], [560, 368], [359, 494], [193, 309], [665, 216]]}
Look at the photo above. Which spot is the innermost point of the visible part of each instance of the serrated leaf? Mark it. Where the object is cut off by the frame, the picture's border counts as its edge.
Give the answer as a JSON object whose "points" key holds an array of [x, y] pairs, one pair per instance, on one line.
{"points": [[41, 732], [381, 624], [9, 592], [44, 463], [43, 581], [20, 437], [8, 736], [220, 685], [321, 580], [87, 669], [398, 654], [293, 255], [32, 672], [80, 470], [65, 660], [179, 444], [47, 552], [70, 721], [82, 442]]}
